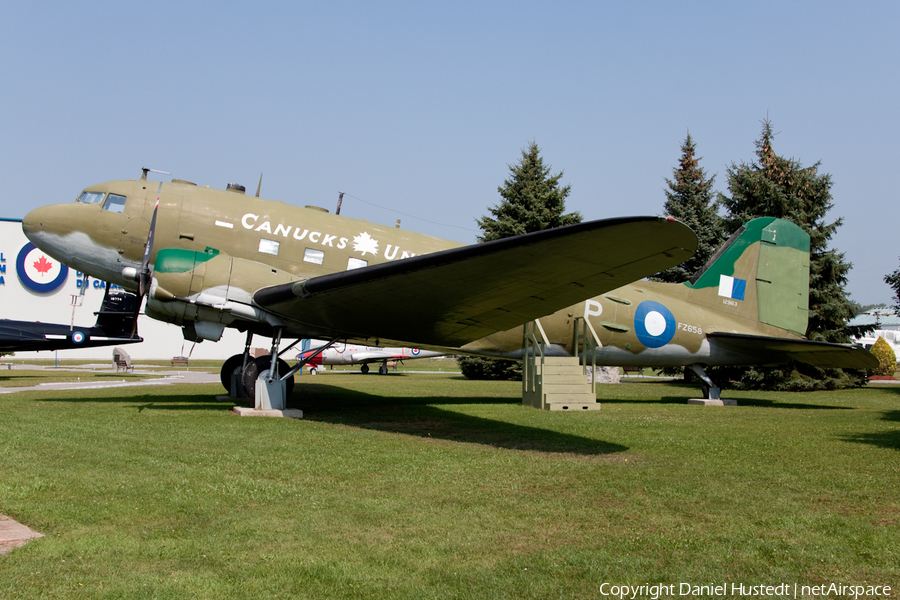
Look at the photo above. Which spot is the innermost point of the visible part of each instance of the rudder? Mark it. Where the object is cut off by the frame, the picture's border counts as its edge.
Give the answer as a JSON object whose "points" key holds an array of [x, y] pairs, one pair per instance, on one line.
{"points": [[761, 273]]}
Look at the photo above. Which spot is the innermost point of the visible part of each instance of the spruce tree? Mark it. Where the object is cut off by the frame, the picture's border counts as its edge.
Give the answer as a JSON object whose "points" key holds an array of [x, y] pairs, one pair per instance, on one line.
{"points": [[690, 200], [774, 186], [533, 200], [893, 280]]}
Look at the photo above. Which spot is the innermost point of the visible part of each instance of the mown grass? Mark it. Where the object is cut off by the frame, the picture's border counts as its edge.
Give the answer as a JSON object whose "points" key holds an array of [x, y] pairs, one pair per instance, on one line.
{"points": [[431, 486]]}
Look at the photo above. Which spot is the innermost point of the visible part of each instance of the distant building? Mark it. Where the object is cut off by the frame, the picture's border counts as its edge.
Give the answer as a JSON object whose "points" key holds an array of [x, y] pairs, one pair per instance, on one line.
{"points": [[36, 287], [878, 318], [885, 324]]}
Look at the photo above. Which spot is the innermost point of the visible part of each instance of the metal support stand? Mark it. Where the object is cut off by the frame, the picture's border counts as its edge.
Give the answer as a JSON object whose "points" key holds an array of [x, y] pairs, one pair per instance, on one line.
{"points": [[270, 393], [711, 392], [270, 390]]}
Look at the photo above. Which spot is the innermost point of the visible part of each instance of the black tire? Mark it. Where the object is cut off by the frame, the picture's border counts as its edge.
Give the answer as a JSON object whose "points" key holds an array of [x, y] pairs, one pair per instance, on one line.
{"points": [[364, 368], [257, 366], [228, 368], [382, 370]]}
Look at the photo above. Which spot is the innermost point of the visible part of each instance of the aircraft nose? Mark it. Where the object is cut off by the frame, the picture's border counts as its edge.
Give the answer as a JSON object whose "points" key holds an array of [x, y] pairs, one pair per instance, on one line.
{"points": [[33, 224]]}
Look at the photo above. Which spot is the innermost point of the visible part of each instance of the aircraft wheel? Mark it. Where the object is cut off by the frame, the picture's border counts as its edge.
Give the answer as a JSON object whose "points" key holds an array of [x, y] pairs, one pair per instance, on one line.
{"points": [[313, 371], [382, 370], [258, 366], [228, 368], [705, 389], [364, 369]]}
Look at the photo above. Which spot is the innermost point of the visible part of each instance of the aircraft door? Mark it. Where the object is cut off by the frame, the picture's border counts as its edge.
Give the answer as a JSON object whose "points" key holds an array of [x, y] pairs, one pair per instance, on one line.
{"points": [[133, 240], [134, 229]]}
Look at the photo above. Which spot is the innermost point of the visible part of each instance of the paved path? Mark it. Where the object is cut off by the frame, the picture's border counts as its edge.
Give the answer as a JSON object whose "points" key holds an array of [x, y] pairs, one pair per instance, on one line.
{"points": [[168, 378], [13, 534]]}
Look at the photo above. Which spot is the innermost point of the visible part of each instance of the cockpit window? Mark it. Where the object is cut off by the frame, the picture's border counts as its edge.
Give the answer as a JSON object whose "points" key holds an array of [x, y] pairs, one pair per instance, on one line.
{"points": [[114, 203], [91, 197]]}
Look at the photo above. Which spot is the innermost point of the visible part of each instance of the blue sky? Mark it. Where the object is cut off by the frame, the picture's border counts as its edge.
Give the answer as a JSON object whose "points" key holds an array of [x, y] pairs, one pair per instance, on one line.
{"points": [[415, 110]]}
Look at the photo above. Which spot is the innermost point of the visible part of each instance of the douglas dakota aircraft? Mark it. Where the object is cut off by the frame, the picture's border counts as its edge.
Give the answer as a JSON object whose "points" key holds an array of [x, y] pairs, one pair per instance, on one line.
{"points": [[208, 259]]}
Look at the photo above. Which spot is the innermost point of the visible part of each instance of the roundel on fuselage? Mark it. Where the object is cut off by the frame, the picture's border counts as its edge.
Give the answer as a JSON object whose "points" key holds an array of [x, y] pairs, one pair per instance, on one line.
{"points": [[654, 324]]}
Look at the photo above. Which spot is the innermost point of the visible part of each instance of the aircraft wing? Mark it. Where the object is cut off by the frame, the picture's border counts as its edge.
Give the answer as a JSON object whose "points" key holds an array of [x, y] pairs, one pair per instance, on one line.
{"points": [[775, 351], [452, 297]]}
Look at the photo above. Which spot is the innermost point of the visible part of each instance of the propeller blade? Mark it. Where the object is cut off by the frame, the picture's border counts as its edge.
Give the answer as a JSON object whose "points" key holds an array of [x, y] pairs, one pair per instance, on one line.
{"points": [[144, 275], [148, 247]]}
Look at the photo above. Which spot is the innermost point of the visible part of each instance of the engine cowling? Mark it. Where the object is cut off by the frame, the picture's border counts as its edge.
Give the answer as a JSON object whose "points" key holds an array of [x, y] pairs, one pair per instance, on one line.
{"points": [[207, 291]]}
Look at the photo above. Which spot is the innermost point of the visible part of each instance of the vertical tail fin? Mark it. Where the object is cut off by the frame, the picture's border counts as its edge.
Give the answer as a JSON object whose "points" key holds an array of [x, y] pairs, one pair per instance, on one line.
{"points": [[760, 274]]}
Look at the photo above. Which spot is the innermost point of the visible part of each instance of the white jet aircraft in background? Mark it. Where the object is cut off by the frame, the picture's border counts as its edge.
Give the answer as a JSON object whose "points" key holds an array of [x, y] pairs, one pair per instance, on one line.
{"points": [[353, 354]]}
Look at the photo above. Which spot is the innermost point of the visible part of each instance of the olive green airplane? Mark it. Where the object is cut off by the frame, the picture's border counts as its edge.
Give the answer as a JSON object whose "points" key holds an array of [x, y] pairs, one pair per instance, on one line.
{"points": [[206, 259]]}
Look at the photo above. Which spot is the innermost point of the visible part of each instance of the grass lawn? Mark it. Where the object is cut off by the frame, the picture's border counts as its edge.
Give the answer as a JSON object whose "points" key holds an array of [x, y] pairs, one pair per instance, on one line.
{"points": [[432, 486]]}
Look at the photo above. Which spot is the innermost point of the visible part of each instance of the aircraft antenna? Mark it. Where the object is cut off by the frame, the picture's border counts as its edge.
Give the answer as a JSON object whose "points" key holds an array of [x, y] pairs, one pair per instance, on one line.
{"points": [[259, 187], [146, 170], [340, 200]]}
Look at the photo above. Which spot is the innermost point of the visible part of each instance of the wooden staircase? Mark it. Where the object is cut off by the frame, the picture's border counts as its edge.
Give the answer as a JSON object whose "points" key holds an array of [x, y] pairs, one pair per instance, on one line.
{"points": [[559, 384]]}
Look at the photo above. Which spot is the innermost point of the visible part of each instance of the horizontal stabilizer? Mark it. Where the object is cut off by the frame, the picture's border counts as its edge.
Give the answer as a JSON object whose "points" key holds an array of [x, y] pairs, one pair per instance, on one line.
{"points": [[28, 336], [452, 297], [770, 351]]}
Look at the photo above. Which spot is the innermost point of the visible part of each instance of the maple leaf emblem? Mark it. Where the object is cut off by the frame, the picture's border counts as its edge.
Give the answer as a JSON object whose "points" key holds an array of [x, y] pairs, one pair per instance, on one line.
{"points": [[365, 243], [43, 266]]}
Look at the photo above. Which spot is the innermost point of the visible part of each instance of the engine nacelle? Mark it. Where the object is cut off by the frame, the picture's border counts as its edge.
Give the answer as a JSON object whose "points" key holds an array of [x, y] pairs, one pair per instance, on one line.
{"points": [[197, 291]]}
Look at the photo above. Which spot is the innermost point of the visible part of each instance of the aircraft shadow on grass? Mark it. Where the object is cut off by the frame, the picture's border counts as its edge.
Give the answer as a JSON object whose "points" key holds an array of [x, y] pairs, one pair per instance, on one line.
{"points": [[144, 401], [882, 439], [756, 402], [421, 416], [417, 416]]}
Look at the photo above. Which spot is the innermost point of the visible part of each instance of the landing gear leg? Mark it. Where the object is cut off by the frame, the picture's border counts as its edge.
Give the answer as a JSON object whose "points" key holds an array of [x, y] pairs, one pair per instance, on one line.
{"points": [[233, 369], [711, 392], [270, 391]]}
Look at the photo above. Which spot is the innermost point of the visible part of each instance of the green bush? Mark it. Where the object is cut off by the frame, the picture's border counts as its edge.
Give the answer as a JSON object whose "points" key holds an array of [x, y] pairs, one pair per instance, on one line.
{"points": [[887, 360], [475, 367]]}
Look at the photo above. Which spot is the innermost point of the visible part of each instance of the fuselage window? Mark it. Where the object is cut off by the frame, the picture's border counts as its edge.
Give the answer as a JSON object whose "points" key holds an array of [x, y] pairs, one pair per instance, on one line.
{"points": [[356, 263], [316, 257], [90, 197], [114, 203], [269, 247]]}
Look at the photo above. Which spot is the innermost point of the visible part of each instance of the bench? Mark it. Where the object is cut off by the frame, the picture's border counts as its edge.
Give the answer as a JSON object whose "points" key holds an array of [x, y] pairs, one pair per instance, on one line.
{"points": [[124, 364], [638, 370], [180, 360]]}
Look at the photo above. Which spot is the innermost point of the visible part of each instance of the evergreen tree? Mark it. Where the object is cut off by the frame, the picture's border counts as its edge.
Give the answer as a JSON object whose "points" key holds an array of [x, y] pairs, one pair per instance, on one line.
{"points": [[690, 200], [893, 280], [533, 200], [774, 186]]}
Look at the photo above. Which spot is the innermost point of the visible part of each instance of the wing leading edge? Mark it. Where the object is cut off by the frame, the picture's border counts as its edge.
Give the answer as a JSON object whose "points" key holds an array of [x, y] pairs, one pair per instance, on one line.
{"points": [[764, 350], [455, 296]]}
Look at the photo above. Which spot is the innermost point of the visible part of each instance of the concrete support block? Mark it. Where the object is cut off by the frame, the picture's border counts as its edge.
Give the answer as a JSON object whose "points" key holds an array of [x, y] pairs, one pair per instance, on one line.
{"points": [[712, 402]]}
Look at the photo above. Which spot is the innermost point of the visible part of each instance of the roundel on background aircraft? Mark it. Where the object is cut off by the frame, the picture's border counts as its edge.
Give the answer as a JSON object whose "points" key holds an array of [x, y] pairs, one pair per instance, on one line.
{"points": [[654, 324]]}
